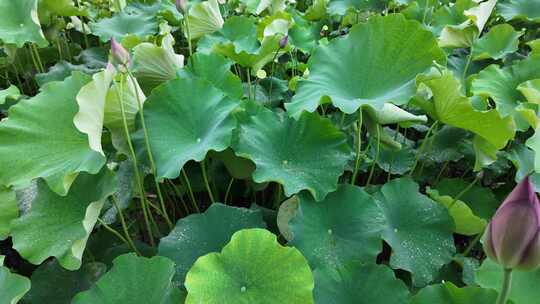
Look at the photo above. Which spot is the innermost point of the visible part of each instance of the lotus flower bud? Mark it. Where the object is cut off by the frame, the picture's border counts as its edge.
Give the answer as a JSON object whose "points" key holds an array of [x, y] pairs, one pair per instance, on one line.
{"points": [[512, 238], [181, 6], [283, 42], [120, 56]]}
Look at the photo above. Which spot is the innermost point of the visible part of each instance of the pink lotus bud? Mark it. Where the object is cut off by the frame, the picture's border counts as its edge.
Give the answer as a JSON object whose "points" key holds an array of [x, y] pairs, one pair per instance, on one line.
{"points": [[120, 56], [181, 6], [512, 238], [283, 42]]}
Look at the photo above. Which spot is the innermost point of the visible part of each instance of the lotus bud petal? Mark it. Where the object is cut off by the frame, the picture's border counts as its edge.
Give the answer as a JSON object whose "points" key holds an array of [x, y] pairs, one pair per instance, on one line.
{"points": [[120, 56], [283, 42], [512, 237], [181, 6]]}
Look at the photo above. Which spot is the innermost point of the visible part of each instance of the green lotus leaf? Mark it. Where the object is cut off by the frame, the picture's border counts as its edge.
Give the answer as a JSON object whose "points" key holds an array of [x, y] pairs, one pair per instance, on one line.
{"points": [[481, 13], [122, 24], [395, 161], [9, 211], [304, 154], [519, 9], [501, 84], [252, 268], [467, 223], [352, 76], [418, 229], [343, 227], [237, 40], [304, 35], [286, 212], [479, 199], [340, 7], [458, 36], [531, 90], [134, 279], [359, 284], [523, 160], [448, 293], [59, 226], [112, 112], [317, 10], [204, 18], [60, 71], [256, 7], [200, 234], [449, 144], [454, 109], [12, 286], [91, 100], [179, 127], [47, 9], [238, 167], [19, 23], [216, 69], [500, 41], [40, 140], [53, 284], [524, 288], [9, 93], [535, 47], [153, 65], [278, 23]]}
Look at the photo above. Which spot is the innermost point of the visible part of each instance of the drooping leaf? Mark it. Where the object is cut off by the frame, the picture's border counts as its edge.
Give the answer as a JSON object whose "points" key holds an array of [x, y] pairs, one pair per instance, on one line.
{"points": [[19, 23], [11, 92], [12, 286], [359, 284], [59, 226], [8, 210], [204, 18], [134, 279], [519, 9], [531, 90], [200, 234], [448, 293], [40, 140], [258, 6], [346, 226], [500, 41], [524, 283], [340, 7], [60, 71], [418, 229], [351, 76], [153, 65], [53, 284], [180, 127], [47, 9], [304, 154], [252, 268], [123, 24]]}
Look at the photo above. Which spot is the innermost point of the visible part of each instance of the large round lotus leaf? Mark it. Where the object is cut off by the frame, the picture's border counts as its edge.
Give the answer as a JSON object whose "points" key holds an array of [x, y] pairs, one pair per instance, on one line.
{"points": [[340, 7], [180, 127], [153, 65], [519, 9], [134, 279], [199, 234], [217, 70], [448, 293], [53, 284], [500, 41], [376, 63], [8, 210], [359, 284], [345, 226], [59, 226], [524, 289], [501, 85], [418, 229], [123, 24], [40, 140], [252, 268], [12, 286], [304, 154], [48, 9], [19, 23]]}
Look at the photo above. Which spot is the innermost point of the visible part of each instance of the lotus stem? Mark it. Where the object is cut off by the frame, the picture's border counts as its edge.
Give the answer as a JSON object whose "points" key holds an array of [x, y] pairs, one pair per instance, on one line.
{"points": [[422, 146], [188, 32], [506, 286], [376, 157], [190, 191], [229, 187], [358, 146], [124, 226], [206, 184]]}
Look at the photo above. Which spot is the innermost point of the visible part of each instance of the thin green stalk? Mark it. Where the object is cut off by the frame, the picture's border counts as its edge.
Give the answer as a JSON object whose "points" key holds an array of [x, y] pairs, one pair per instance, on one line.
{"points": [[149, 150], [466, 68], [118, 235], [272, 72], [248, 73], [476, 179], [190, 191], [17, 75], [206, 184], [376, 157], [124, 226], [87, 45], [421, 149], [229, 187], [472, 244], [34, 61], [506, 286], [177, 193], [59, 47], [188, 33], [38, 57], [445, 165], [135, 163], [393, 156], [358, 147]]}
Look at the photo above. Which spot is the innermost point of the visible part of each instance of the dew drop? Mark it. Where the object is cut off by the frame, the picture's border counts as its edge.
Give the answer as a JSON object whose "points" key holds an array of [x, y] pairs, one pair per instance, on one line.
{"points": [[199, 140], [21, 25], [285, 162], [330, 231], [243, 289], [395, 230]]}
